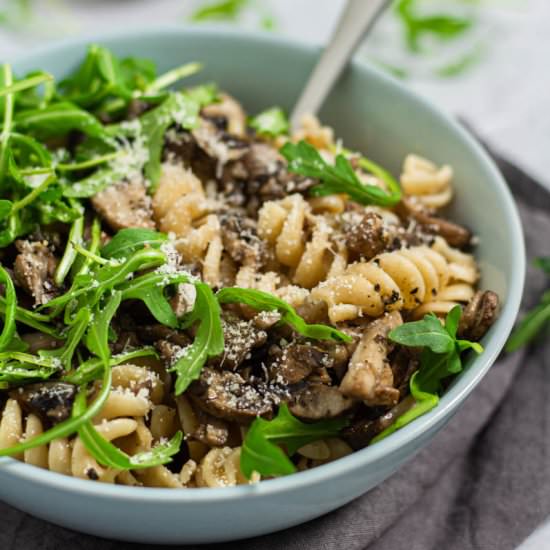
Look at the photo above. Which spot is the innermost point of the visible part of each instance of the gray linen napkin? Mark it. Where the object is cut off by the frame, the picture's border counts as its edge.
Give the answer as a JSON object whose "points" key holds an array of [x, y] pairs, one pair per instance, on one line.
{"points": [[483, 483]]}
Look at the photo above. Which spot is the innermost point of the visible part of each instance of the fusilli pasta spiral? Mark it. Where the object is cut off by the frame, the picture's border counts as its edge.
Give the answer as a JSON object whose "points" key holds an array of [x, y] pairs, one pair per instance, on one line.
{"points": [[403, 279], [181, 207], [422, 179]]}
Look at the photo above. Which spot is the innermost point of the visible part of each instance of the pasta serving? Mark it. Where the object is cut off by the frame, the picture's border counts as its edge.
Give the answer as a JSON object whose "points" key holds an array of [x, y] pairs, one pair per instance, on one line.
{"points": [[195, 298]]}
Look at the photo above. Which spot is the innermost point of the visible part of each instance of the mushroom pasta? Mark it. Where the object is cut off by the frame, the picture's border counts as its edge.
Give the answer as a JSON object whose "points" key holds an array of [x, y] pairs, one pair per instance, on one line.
{"points": [[192, 297]]}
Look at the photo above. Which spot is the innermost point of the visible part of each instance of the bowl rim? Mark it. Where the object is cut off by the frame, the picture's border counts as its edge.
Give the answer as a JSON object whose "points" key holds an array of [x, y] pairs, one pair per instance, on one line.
{"points": [[460, 389]]}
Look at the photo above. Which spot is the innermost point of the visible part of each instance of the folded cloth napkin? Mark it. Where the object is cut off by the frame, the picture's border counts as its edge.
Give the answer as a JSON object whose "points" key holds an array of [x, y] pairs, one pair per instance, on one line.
{"points": [[483, 483]]}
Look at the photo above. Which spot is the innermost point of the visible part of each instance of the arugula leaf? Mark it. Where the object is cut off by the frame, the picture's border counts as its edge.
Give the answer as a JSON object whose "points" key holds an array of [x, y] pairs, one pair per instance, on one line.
{"points": [[226, 10], [7, 126], [30, 318], [531, 325], [99, 76], [263, 301], [58, 119], [208, 340], [126, 241], [544, 264], [106, 278], [149, 288], [97, 335], [271, 122], [205, 94], [305, 160], [5, 208], [69, 256], [536, 320], [178, 107], [261, 452], [153, 297], [109, 455], [74, 334], [18, 368], [94, 183], [440, 358], [444, 27], [25, 84], [9, 310], [172, 76], [426, 333]]}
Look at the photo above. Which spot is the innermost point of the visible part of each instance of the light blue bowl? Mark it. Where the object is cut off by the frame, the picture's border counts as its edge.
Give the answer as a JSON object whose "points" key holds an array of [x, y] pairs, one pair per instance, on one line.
{"points": [[372, 113]]}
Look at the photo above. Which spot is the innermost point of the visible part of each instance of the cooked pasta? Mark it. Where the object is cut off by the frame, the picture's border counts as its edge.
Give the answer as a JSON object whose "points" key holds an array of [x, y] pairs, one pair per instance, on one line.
{"points": [[408, 279], [239, 288], [423, 180]]}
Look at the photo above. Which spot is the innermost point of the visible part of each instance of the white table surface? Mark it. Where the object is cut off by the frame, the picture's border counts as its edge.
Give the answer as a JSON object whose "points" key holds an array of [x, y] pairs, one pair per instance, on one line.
{"points": [[505, 95]]}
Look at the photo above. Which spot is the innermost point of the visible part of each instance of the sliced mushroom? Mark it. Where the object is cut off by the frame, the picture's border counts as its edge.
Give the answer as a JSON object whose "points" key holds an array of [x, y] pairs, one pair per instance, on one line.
{"points": [[455, 234], [479, 315], [361, 433], [227, 395], [368, 238], [293, 363], [317, 401], [124, 205], [228, 109], [313, 311], [51, 401], [211, 431], [240, 338], [369, 376], [262, 161], [240, 239], [151, 334], [34, 268]]}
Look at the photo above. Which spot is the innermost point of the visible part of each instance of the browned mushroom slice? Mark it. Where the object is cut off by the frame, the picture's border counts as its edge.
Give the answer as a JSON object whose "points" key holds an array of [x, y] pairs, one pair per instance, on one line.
{"points": [[34, 269], [479, 315], [229, 110], [227, 395], [211, 430], [240, 239], [453, 233], [262, 161], [156, 334], [361, 432], [219, 145], [367, 238], [125, 204], [369, 376], [293, 363], [240, 338], [51, 401], [317, 401]]}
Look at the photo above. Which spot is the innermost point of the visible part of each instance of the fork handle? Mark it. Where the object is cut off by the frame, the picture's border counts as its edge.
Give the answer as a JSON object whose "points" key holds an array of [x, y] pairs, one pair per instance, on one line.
{"points": [[356, 20]]}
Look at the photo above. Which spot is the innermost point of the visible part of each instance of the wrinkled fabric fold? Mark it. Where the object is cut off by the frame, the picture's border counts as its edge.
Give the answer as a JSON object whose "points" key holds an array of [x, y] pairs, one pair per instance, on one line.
{"points": [[482, 483]]}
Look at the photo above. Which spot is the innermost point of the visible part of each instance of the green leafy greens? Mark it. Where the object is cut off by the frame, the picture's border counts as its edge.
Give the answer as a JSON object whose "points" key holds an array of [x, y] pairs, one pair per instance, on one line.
{"points": [[271, 122], [208, 340], [444, 27], [261, 451], [305, 160], [127, 241], [536, 320], [263, 301], [440, 358]]}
